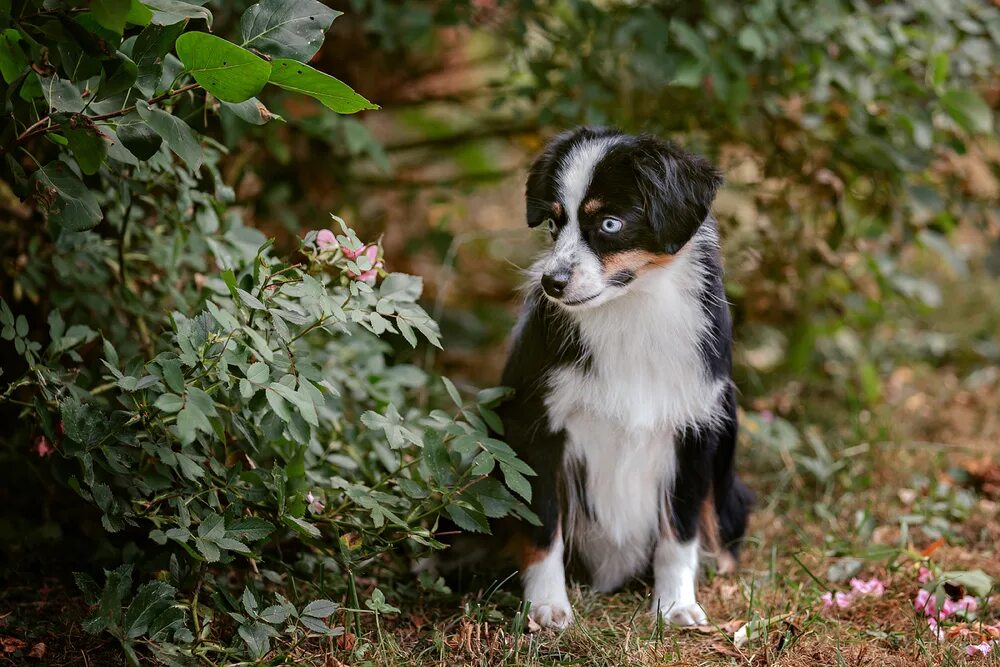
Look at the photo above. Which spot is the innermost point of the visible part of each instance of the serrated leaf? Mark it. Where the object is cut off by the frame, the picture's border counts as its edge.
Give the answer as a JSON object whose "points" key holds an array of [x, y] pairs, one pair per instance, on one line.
{"points": [[257, 639], [250, 300], [250, 529], [150, 601], [169, 403], [332, 93], [287, 29], [516, 481], [228, 71], [468, 519], [275, 614], [320, 608]]}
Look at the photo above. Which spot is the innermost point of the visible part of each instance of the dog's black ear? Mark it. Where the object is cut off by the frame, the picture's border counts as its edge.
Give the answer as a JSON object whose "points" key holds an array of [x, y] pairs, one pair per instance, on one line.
{"points": [[677, 188]]}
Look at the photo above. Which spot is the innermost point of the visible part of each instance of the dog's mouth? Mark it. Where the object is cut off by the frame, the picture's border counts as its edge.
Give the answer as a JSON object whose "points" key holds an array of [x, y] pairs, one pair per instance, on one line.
{"points": [[579, 302]]}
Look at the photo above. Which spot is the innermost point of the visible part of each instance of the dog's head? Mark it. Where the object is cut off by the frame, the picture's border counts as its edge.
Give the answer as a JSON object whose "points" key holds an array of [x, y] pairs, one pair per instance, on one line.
{"points": [[617, 206]]}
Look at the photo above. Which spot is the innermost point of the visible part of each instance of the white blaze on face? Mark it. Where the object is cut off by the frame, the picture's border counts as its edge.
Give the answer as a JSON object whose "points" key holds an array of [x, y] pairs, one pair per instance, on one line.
{"points": [[571, 252]]}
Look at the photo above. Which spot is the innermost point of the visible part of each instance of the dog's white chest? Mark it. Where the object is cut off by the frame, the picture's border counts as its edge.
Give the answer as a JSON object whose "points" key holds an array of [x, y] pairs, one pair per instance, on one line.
{"points": [[646, 379]]}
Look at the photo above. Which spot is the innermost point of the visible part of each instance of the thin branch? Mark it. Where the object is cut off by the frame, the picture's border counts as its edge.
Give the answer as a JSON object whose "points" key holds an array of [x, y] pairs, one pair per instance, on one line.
{"points": [[40, 127]]}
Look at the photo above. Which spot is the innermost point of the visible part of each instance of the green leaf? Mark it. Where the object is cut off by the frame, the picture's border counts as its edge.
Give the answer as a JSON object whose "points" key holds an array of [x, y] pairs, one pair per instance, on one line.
{"points": [[320, 608], [258, 373], [12, 58], [152, 599], [976, 582], [65, 199], [969, 110], [257, 639], [89, 147], [61, 95], [120, 74], [301, 526], [517, 482], [251, 111], [169, 403], [138, 137], [172, 374], [287, 28], [250, 529], [138, 14], [111, 14], [275, 614], [468, 519], [452, 391], [229, 72], [332, 93], [179, 136], [169, 12], [250, 300]]}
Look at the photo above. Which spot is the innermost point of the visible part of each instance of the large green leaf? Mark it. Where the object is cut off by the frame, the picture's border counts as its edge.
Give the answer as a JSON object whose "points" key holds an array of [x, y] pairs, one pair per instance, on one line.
{"points": [[969, 110], [333, 93], [229, 72], [179, 136], [287, 28], [67, 201], [12, 58]]}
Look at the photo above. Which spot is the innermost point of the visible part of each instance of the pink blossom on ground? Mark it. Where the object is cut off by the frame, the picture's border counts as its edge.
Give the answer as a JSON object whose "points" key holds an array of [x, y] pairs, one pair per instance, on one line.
{"points": [[842, 600], [42, 446], [874, 587], [979, 649], [936, 629], [315, 504], [925, 602], [924, 575], [325, 239], [967, 603]]}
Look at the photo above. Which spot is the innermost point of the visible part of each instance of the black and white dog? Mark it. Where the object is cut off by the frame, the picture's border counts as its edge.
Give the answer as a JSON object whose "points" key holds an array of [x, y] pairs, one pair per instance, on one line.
{"points": [[624, 405]]}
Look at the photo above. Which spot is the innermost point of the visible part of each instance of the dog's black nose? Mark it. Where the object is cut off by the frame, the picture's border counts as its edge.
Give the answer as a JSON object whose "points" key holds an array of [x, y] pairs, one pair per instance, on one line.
{"points": [[555, 283]]}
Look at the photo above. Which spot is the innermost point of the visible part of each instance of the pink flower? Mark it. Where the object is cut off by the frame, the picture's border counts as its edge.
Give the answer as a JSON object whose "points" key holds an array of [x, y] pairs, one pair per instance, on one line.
{"points": [[351, 254], [873, 587], [924, 575], [967, 604], [842, 600], [325, 239], [925, 602], [936, 630], [767, 416], [42, 447], [315, 504], [979, 649]]}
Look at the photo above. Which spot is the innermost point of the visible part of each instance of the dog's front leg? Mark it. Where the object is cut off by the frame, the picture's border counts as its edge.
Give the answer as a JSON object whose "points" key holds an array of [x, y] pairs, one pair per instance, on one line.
{"points": [[543, 573], [675, 569], [675, 562]]}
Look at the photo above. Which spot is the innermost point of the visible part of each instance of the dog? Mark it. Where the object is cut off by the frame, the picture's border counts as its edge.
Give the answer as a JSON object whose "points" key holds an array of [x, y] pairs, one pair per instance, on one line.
{"points": [[620, 363]]}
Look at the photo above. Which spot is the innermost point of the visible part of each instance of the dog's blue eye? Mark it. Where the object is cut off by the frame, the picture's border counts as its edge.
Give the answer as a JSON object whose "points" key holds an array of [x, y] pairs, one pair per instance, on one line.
{"points": [[611, 225]]}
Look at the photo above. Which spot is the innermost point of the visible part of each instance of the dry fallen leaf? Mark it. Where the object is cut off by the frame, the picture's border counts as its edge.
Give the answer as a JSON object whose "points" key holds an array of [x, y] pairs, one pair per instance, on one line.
{"points": [[12, 644], [38, 651]]}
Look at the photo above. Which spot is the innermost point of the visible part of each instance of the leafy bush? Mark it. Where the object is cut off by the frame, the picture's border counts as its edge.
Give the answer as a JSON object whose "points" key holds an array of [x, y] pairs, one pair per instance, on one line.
{"points": [[242, 421]]}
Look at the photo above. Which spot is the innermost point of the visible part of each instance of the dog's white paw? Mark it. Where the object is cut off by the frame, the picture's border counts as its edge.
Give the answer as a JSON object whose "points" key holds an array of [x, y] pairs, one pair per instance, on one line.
{"points": [[556, 615], [681, 614]]}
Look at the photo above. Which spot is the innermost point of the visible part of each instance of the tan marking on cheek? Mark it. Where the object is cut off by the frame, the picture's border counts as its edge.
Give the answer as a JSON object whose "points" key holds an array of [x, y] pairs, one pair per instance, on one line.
{"points": [[636, 261], [556, 209], [592, 205]]}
